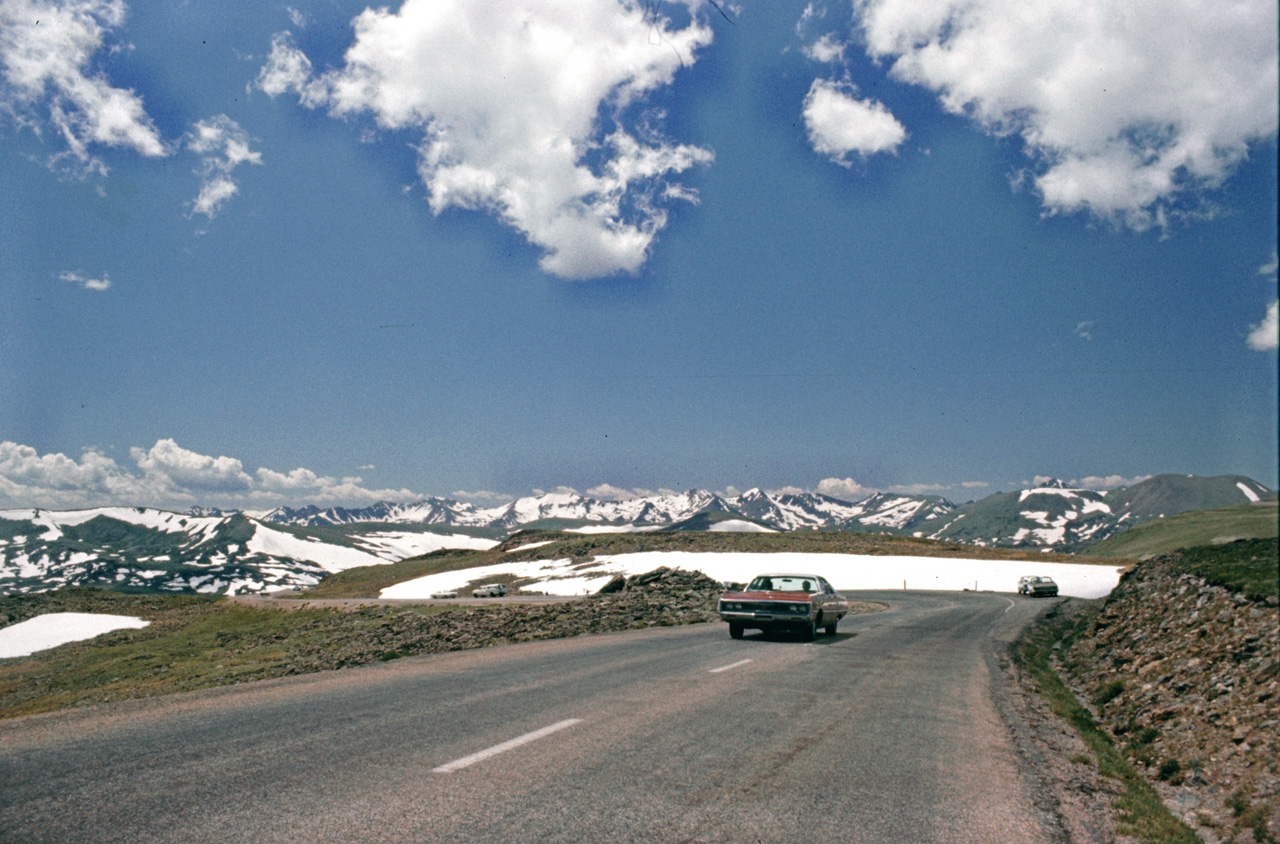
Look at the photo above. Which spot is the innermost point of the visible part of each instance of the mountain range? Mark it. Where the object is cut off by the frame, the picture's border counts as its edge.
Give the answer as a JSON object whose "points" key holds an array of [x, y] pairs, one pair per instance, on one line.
{"points": [[217, 552]]}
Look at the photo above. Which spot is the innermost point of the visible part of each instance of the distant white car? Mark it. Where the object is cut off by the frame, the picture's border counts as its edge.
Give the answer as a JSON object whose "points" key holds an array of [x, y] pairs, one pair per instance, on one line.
{"points": [[1035, 586], [493, 590], [442, 595]]}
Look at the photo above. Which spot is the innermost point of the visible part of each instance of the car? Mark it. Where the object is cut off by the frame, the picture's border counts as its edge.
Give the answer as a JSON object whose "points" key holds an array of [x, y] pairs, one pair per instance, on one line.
{"points": [[439, 596], [493, 590], [1037, 585], [776, 602]]}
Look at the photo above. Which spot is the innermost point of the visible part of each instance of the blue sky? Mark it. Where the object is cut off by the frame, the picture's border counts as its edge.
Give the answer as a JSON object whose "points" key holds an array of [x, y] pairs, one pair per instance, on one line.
{"points": [[261, 254]]}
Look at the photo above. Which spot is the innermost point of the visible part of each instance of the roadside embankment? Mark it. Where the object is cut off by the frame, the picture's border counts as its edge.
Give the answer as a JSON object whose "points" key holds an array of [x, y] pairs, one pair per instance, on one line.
{"points": [[1181, 670]]}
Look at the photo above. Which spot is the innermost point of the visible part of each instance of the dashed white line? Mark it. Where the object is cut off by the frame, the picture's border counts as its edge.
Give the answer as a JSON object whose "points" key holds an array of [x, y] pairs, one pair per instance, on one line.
{"points": [[727, 667], [504, 747]]}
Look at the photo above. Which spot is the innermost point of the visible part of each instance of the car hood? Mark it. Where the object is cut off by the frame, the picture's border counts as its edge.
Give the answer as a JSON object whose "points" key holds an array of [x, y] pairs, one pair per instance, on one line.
{"points": [[766, 596]]}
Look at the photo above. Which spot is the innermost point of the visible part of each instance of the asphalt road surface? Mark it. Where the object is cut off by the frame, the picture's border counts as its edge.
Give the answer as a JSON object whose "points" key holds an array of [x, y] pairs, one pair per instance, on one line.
{"points": [[889, 731]]}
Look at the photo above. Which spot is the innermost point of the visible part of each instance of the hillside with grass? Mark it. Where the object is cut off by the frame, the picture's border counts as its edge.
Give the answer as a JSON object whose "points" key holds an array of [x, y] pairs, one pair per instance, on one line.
{"points": [[1259, 520]]}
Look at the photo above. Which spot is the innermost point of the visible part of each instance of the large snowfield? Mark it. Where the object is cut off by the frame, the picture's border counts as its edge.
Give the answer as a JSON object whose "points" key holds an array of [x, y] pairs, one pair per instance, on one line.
{"points": [[844, 571]]}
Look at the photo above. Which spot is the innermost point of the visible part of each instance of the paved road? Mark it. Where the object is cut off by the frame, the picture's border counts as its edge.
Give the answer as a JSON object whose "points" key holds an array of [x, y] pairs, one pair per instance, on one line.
{"points": [[886, 732]]}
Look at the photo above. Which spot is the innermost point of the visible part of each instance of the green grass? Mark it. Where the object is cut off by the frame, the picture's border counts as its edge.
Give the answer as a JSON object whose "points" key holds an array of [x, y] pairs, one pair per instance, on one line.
{"points": [[1187, 530], [192, 643], [1251, 566], [369, 581], [1141, 811]]}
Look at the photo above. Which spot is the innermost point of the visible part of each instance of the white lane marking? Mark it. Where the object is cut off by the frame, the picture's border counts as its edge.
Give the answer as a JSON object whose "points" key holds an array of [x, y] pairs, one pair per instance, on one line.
{"points": [[504, 747], [727, 667]]}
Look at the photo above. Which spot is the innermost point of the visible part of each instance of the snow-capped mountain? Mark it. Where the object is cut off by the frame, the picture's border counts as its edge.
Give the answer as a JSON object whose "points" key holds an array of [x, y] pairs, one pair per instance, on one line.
{"points": [[136, 548], [219, 552], [1056, 516]]}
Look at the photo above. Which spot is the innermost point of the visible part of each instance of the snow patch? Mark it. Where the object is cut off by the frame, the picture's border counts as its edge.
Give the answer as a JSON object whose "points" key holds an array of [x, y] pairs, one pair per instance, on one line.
{"points": [[53, 629], [739, 526], [1248, 493]]}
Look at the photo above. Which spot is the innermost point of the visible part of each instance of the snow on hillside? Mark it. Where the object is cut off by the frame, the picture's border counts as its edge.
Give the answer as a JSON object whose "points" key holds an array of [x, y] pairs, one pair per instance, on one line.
{"points": [[845, 571], [199, 528], [394, 545], [331, 558], [59, 628]]}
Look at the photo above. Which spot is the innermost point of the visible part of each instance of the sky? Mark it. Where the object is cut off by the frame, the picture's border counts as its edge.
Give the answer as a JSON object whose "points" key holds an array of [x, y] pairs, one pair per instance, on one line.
{"points": [[255, 254]]}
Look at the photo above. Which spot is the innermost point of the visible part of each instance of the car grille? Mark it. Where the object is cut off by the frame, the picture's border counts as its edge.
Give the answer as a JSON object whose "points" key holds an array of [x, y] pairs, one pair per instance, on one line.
{"points": [[778, 607]]}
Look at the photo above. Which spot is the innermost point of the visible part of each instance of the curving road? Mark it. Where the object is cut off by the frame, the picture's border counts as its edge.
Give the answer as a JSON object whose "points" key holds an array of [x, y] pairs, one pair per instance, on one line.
{"points": [[889, 731]]}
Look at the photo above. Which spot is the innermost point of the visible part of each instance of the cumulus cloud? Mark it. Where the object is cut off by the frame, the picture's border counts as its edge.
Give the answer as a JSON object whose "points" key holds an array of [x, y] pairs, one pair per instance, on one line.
{"points": [[222, 146], [609, 492], [844, 488], [1265, 335], [523, 108], [841, 124], [1127, 111], [98, 284], [167, 475], [169, 463], [826, 49], [46, 57], [31, 479]]}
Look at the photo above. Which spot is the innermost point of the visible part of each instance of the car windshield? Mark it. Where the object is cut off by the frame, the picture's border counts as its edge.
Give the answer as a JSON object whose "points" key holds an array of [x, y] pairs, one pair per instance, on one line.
{"points": [[783, 583]]}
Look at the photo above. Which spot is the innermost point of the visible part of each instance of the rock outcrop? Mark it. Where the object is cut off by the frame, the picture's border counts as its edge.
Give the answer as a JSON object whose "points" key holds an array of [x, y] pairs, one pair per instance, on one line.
{"points": [[1184, 675], [661, 598]]}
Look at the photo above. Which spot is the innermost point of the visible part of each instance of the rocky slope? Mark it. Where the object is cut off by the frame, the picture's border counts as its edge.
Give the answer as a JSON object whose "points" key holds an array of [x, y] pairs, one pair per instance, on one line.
{"points": [[1184, 675]]}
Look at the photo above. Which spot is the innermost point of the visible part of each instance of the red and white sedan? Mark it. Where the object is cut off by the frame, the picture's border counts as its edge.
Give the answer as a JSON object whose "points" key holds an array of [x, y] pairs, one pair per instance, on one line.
{"points": [[798, 602]]}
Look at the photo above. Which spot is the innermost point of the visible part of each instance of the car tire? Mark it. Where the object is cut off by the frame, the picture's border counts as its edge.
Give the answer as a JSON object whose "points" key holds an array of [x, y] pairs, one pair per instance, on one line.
{"points": [[830, 629], [810, 631], [735, 630]]}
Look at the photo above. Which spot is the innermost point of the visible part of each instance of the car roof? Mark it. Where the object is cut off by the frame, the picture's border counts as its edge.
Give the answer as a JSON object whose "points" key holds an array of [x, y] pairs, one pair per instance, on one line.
{"points": [[787, 574]]}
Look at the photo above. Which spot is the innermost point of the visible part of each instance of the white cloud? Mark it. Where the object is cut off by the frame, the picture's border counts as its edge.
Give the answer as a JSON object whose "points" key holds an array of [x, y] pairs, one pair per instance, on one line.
{"points": [[171, 476], [222, 146], [919, 489], [826, 49], [1270, 267], [1265, 335], [1107, 482], [844, 488], [98, 284], [176, 467], [1084, 330], [484, 497], [30, 479], [522, 107], [840, 124], [1127, 110], [46, 54], [609, 492], [974, 484]]}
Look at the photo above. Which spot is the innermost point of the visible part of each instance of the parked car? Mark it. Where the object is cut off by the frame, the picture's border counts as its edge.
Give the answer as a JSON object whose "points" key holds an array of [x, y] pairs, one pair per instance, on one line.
{"points": [[772, 602], [1036, 586], [493, 590], [442, 595]]}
